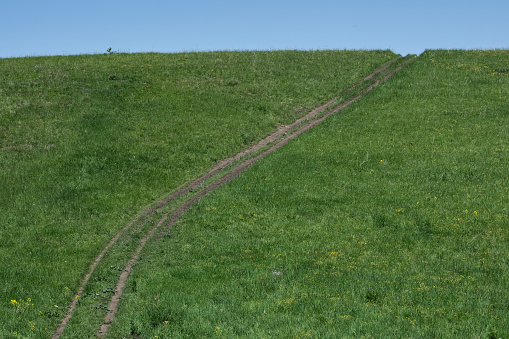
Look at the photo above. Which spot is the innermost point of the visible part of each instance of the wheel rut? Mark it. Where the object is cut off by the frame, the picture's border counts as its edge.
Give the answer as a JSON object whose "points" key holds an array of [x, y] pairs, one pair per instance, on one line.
{"points": [[225, 171]]}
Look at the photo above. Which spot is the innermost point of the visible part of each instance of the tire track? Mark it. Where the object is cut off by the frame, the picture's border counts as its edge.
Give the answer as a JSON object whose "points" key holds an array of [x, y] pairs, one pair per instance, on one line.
{"points": [[279, 138]]}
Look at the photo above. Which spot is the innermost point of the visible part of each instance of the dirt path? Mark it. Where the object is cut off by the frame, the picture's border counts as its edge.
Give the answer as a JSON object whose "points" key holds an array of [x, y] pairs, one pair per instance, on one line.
{"points": [[274, 141]]}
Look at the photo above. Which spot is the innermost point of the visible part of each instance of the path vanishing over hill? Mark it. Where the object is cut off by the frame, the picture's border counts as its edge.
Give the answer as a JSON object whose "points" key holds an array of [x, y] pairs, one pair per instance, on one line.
{"points": [[163, 217]]}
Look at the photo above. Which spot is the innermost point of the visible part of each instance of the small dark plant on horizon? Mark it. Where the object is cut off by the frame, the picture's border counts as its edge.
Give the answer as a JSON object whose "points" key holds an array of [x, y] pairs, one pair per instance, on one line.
{"points": [[372, 296]]}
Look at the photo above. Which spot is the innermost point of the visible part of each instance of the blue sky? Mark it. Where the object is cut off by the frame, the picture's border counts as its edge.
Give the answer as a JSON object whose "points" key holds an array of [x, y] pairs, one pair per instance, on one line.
{"points": [[61, 27]]}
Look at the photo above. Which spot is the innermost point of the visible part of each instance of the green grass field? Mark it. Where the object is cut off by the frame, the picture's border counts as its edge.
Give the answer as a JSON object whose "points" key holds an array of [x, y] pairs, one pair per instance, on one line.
{"points": [[388, 220], [89, 141]]}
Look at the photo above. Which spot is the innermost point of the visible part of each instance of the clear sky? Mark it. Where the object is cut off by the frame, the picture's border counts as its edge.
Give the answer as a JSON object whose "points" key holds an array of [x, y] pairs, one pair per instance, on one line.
{"points": [[61, 27]]}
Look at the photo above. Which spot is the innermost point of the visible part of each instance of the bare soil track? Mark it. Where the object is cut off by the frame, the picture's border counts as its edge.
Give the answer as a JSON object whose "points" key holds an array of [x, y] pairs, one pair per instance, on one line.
{"points": [[266, 146]]}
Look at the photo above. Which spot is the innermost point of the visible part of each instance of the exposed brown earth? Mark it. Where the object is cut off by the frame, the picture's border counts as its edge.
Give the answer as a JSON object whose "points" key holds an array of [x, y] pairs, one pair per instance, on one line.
{"points": [[274, 141]]}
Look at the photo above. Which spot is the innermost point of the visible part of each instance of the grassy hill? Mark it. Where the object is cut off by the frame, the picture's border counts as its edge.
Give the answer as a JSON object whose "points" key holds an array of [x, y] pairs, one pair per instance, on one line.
{"points": [[88, 141], [388, 220]]}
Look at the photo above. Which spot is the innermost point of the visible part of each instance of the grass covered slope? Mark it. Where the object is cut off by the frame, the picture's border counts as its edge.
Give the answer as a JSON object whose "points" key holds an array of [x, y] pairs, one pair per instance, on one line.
{"points": [[88, 141], [388, 220]]}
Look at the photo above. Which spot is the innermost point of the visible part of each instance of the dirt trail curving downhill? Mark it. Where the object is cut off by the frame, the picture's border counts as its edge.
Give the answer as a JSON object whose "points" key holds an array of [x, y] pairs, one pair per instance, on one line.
{"points": [[274, 141]]}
